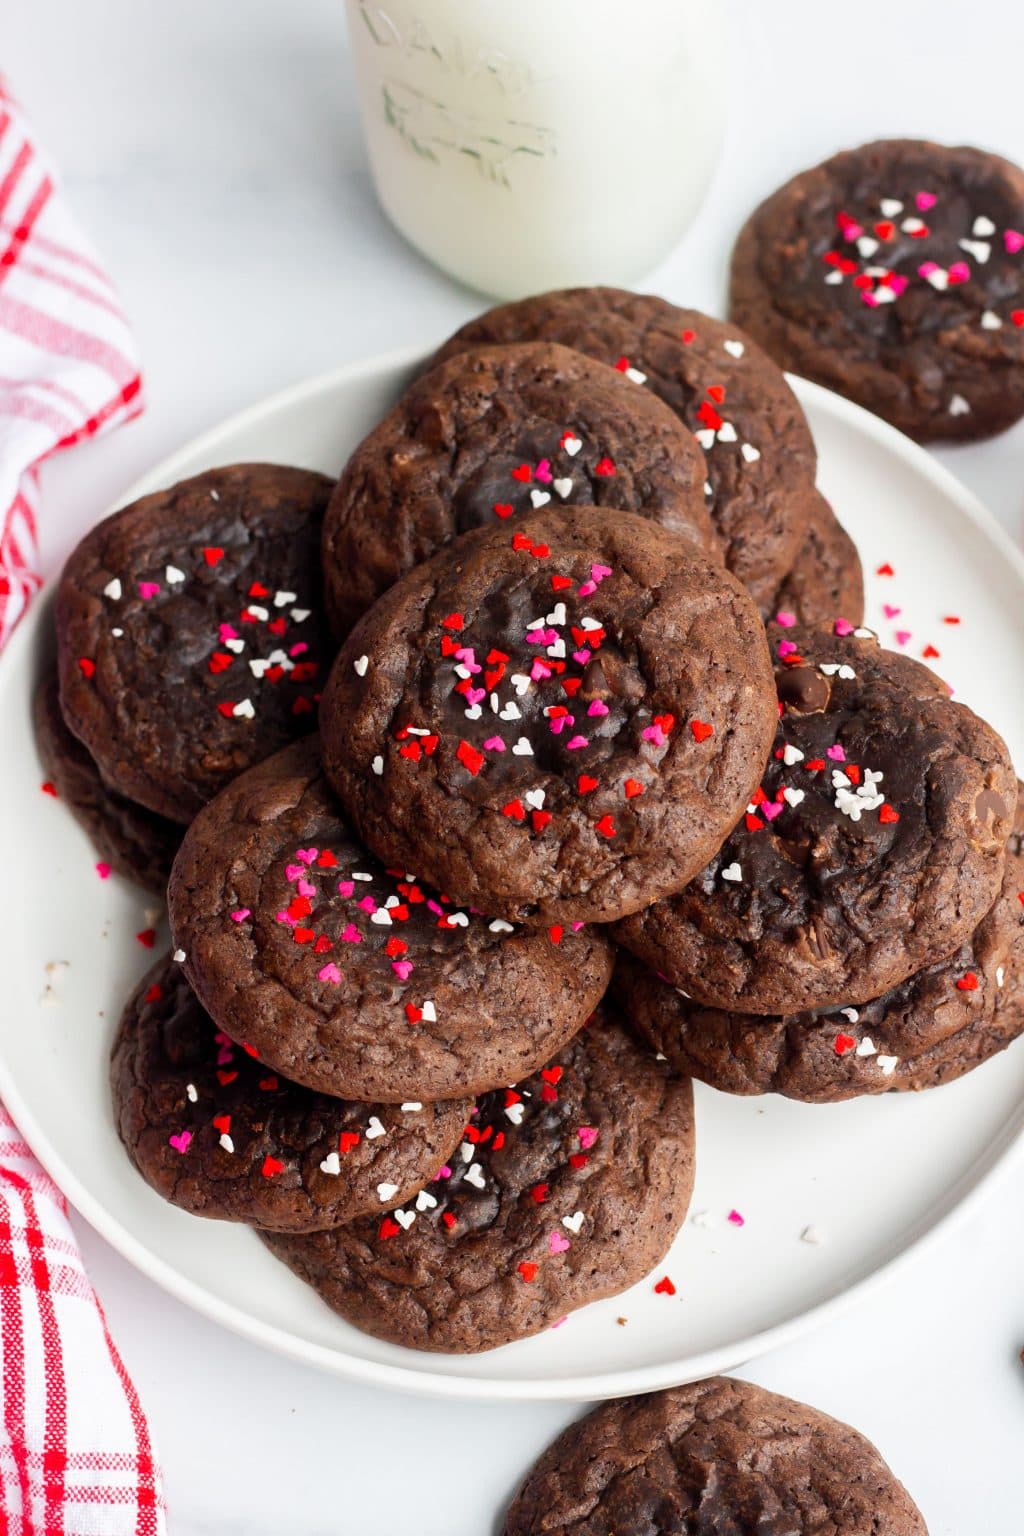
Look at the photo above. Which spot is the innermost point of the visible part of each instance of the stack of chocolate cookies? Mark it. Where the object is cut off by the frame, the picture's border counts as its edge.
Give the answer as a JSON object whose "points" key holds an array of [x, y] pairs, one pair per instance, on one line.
{"points": [[536, 767]]}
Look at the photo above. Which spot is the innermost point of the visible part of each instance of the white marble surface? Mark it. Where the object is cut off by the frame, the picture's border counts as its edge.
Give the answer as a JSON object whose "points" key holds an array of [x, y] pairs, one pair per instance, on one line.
{"points": [[213, 152]]}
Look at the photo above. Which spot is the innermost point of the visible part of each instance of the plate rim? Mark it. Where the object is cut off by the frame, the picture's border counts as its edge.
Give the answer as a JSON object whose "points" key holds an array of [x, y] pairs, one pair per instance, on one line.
{"points": [[975, 1183]]}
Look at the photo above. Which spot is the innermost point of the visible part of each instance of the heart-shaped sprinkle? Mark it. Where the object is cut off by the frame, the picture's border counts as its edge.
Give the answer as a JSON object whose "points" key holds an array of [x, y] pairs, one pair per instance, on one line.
{"points": [[180, 1141], [732, 872], [374, 1129], [331, 1164], [386, 1191], [557, 1243]]}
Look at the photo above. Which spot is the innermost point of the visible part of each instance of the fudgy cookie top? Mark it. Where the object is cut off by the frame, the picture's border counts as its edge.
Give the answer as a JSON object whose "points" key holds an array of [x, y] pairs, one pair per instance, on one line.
{"points": [[191, 632], [354, 978], [717, 381], [217, 1132], [132, 840], [873, 846], [556, 722], [567, 1187], [931, 1028], [717, 1456], [489, 435], [894, 273]]}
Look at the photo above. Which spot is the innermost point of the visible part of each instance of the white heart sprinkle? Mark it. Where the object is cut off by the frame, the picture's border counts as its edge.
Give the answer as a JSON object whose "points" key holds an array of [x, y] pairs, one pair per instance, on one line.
{"points": [[172, 575], [540, 498], [378, 764], [705, 437], [912, 225], [939, 279], [385, 1191], [331, 1164], [890, 206], [511, 711], [1000, 976], [405, 1219], [850, 1014], [727, 432], [257, 666], [227, 1143], [793, 796], [867, 245], [459, 919], [983, 226], [282, 599], [522, 748], [178, 956], [520, 682], [979, 249], [572, 446], [473, 712], [425, 1201], [475, 1175], [374, 1129], [750, 453], [244, 710], [429, 1012], [382, 917], [734, 348], [117, 633], [990, 321], [888, 1064], [573, 1222], [867, 1047], [958, 406], [360, 665], [732, 872], [237, 646], [301, 614], [260, 613], [112, 589], [192, 1093], [589, 623], [563, 487], [514, 1112], [534, 798], [413, 1107], [791, 755], [499, 925], [636, 376], [558, 615]]}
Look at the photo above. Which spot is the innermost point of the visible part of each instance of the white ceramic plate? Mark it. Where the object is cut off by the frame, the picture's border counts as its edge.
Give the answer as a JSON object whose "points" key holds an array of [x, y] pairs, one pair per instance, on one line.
{"points": [[874, 1178]]}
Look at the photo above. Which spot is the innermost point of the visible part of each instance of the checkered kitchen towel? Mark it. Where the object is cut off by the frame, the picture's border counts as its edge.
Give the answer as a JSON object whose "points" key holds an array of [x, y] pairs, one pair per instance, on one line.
{"points": [[75, 1452], [68, 367]]}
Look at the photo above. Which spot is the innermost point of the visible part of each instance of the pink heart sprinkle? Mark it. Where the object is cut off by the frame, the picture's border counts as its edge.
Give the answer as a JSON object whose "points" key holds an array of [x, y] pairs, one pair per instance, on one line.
{"points": [[587, 588], [852, 230], [559, 723], [351, 935], [346, 887], [588, 1135], [241, 915], [299, 649], [403, 969], [329, 972], [770, 809], [786, 620], [925, 200], [1013, 240], [959, 272], [476, 695], [536, 637], [836, 753], [494, 744], [843, 627], [599, 572], [285, 917], [868, 298], [467, 655], [581, 656], [444, 1172], [654, 733], [294, 871], [228, 632], [559, 1322], [306, 855], [367, 904], [435, 906], [543, 470], [305, 888], [148, 588], [736, 1219], [577, 926], [557, 1243], [897, 282], [786, 647], [927, 268], [180, 1141], [103, 870], [575, 743], [597, 707], [538, 670], [902, 636], [891, 612]]}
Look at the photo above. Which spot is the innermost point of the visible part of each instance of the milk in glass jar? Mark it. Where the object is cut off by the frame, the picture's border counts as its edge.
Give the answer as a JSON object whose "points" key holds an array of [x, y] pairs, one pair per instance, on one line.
{"points": [[531, 144]]}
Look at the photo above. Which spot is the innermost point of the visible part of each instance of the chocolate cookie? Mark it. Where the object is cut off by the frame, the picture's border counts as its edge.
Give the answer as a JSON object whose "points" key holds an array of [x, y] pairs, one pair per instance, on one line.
{"points": [[132, 840], [934, 1027], [715, 1458], [190, 632], [873, 847], [567, 1188], [354, 979], [717, 381], [489, 435], [826, 581], [894, 274], [215, 1131], [555, 723]]}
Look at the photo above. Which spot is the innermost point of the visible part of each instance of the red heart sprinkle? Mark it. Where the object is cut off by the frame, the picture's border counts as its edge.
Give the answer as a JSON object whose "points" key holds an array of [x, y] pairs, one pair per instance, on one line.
{"points": [[278, 627], [539, 551], [224, 1078], [539, 1193], [521, 541], [815, 765], [585, 783], [708, 416], [968, 983], [844, 1043], [887, 815], [522, 472], [411, 750], [268, 1084], [552, 1074], [302, 935], [605, 826], [395, 947], [147, 938], [666, 722], [717, 392], [540, 820], [453, 621], [604, 467], [503, 508], [559, 583], [701, 730], [212, 554], [86, 666], [49, 788], [1017, 316], [448, 1219], [154, 994], [388, 1228], [556, 933], [528, 1271], [347, 1140], [271, 1165], [258, 590], [322, 945], [220, 661], [226, 708], [633, 787], [469, 757], [515, 810], [327, 860], [885, 570], [664, 1287], [754, 823], [412, 1013], [222, 1123], [929, 652], [687, 336]]}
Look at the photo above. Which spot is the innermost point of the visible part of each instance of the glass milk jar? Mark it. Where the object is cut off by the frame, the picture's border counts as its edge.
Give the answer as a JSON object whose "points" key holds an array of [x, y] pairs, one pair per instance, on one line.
{"points": [[532, 144]]}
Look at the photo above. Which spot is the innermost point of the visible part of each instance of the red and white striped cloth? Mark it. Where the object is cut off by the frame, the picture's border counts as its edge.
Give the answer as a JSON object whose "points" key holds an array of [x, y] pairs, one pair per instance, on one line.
{"points": [[68, 364], [75, 1452]]}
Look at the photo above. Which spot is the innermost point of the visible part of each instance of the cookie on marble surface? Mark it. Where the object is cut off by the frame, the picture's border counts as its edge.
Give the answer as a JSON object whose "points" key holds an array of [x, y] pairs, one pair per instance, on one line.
{"points": [[716, 379], [191, 636], [568, 1187], [556, 722], [215, 1131], [894, 274], [489, 435]]}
